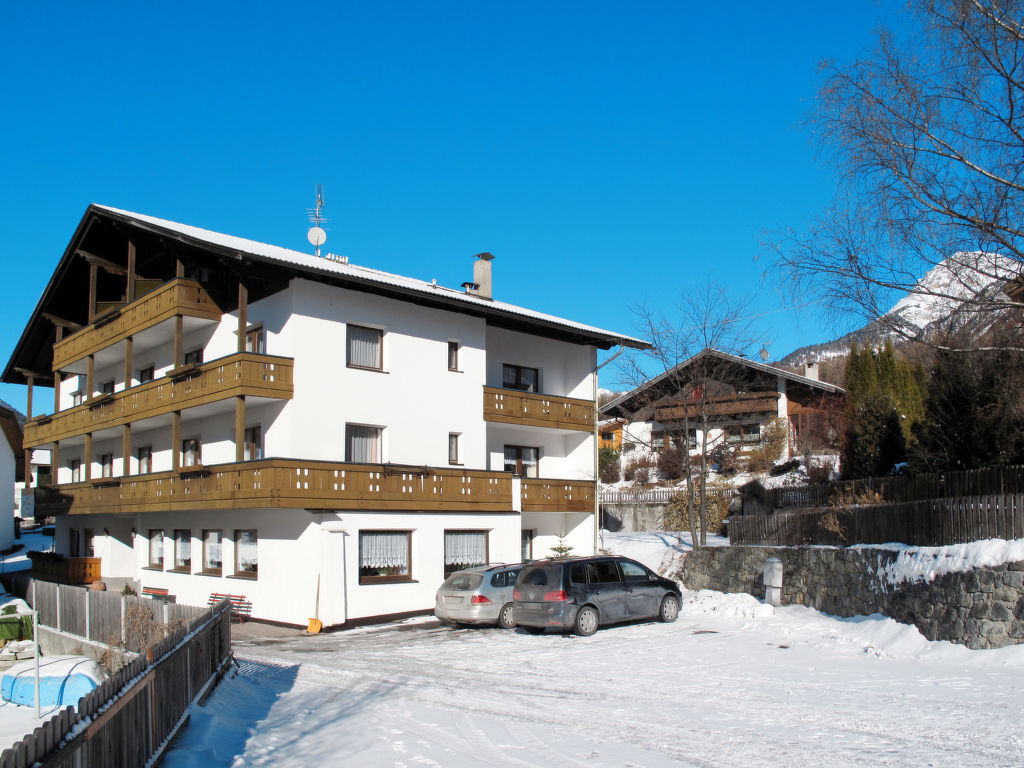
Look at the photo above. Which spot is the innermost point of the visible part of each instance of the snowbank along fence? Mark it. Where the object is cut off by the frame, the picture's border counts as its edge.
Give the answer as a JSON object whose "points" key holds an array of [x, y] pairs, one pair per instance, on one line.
{"points": [[130, 719], [930, 523], [993, 481]]}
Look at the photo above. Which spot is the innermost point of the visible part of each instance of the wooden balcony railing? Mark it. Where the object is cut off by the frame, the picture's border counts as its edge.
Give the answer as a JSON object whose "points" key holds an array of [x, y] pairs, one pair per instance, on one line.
{"points": [[178, 297], [244, 373], [541, 495], [65, 570], [725, 405], [286, 483], [510, 406]]}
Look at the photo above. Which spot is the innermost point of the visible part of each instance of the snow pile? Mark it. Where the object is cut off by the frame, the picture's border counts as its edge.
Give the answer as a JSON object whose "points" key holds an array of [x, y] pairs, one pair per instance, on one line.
{"points": [[661, 551], [914, 564], [709, 603]]}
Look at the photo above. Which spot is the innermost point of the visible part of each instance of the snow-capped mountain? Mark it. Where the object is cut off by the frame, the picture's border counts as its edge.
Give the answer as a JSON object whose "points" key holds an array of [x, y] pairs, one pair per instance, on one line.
{"points": [[963, 291]]}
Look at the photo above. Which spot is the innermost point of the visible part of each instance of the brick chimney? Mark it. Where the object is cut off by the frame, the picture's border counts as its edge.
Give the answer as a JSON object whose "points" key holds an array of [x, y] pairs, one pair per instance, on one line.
{"points": [[811, 370], [481, 285]]}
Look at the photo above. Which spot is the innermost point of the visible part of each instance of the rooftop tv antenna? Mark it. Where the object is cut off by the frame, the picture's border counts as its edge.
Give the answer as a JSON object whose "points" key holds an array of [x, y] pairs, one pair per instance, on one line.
{"points": [[317, 236]]}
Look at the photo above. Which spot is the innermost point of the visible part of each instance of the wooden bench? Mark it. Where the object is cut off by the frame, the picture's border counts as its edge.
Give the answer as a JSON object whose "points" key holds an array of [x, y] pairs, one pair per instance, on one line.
{"points": [[158, 593], [241, 609]]}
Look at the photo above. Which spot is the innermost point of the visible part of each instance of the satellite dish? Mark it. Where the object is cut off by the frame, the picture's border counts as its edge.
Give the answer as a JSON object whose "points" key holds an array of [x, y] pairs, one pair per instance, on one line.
{"points": [[765, 354], [316, 236]]}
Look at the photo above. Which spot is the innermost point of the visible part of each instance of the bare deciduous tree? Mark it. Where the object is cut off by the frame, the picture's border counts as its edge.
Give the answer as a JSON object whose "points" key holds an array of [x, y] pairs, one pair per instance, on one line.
{"points": [[928, 135]]}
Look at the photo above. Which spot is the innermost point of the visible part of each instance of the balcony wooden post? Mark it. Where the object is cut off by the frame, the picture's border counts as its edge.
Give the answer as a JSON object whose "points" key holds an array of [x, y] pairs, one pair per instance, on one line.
{"points": [[175, 439], [179, 330], [179, 267], [87, 459], [243, 313], [126, 449], [56, 390], [90, 376], [92, 292], [240, 428], [128, 362], [129, 293]]}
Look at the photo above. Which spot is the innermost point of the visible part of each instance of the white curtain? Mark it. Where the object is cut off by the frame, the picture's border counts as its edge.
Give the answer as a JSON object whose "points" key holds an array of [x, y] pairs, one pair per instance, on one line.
{"points": [[156, 547], [182, 549], [364, 346], [384, 550], [362, 444], [211, 551], [465, 549], [245, 551]]}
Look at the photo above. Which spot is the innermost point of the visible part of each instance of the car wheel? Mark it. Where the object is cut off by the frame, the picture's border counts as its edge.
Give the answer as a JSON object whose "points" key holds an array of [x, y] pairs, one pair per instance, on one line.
{"points": [[669, 608], [507, 618], [535, 630], [586, 621]]}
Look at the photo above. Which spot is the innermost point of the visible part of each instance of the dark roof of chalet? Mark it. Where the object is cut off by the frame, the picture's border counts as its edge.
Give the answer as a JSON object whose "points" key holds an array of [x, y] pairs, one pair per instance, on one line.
{"points": [[10, 425], [618, 406], [113, 227]]}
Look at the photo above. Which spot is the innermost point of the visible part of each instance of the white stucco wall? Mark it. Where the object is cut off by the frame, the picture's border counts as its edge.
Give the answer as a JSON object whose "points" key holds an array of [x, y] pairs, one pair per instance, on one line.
{"points": [[6, 494]]}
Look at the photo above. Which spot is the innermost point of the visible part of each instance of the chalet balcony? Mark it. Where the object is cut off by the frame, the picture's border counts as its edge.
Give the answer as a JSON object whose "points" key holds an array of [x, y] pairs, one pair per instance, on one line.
{"points": [[543, 495], [288, 483], [509, 406], [732, 406], [81, 571], [177, 297], [244, 373]]}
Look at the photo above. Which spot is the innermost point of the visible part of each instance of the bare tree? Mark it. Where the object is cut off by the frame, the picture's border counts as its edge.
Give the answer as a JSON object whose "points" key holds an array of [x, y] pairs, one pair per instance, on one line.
{"points": [[927, 133], [682, 398]]}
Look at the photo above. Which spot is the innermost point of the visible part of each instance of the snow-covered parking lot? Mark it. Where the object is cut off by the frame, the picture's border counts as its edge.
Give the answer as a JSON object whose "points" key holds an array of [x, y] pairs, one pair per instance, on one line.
{"points": [[732, 683]]}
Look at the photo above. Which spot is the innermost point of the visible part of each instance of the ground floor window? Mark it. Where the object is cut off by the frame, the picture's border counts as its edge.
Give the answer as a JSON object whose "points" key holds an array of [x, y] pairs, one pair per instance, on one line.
{"points": [[212, 562], [522, 460], [182, 550], [156, 548], [88, 540], [74, 542], [246, 561], [464, 549], [385, 556]]}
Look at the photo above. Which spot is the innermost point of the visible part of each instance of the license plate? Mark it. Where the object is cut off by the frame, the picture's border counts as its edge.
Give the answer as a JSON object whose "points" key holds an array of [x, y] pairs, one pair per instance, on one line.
{"points": [[452, 602]]}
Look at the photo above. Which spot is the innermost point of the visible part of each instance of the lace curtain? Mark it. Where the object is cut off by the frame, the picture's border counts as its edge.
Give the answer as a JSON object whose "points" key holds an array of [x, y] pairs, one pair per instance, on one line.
{"points": [[384, 550], [245, 552], [465, 549]]}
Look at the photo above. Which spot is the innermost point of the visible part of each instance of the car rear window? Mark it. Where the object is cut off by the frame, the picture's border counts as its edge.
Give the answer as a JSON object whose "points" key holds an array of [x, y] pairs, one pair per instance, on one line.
{"points": [[463, 582], [538, 576]]}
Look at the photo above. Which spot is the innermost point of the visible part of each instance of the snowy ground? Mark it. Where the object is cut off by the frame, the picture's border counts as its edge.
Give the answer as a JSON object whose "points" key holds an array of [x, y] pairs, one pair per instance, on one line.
{"points": [[30, 541], [733, 682]]}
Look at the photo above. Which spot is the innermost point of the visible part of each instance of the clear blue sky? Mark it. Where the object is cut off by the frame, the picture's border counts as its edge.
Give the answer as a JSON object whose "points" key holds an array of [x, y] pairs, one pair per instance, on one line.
{"points": [[606, 153]]}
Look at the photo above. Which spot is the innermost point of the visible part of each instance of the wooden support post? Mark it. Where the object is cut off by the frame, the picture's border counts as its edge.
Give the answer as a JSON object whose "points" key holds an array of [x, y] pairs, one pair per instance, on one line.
{"points": [[87, 459], [54, 462], [28, 467], [56, 390], [129, 293], [31, 380], [128, 364], [179, 331], [175, 440], [240, 428], [179, 267], [243, 313], [90, 376], [93, 269], [126, 449]]}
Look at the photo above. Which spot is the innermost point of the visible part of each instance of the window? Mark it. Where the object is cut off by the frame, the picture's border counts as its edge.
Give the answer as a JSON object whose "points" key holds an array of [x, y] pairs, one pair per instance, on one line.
{"points": [[191, 452], [156, 548], [194, 357], [182, 550], [211, 552], [75, 465], [526, 545], [464, 549], [658, 439], [521, 460], [385, 556], [453, 355], [78, 396], [633, 572], [107, 387], [245, 553], [505, 578], [603, 572], [256, 341], [453, 447], [608, 436], [145, 454], [253, 443], [147, 374], [748, 434], [74, 542], [518, 377], [362, 444], [107, 465], [364, 347], [88, 541]]}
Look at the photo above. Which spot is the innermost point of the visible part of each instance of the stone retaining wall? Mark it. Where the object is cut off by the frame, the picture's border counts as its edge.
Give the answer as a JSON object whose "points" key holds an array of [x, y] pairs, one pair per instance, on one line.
{"points": [[983, 608]]}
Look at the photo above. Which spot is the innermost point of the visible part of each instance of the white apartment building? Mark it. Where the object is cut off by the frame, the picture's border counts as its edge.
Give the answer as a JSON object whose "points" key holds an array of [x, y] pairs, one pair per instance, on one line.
{"points": [[234, 417]]}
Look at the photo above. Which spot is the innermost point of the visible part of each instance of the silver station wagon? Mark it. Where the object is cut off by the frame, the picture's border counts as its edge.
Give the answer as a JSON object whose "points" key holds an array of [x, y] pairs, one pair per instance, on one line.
{"points": [[480, 595]]}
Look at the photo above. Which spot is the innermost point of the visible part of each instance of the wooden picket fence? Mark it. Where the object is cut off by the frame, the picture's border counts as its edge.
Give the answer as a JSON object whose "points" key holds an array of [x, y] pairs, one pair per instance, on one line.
{"points": [[652, 495], [928, 523], [131, 718], [991, 481]]}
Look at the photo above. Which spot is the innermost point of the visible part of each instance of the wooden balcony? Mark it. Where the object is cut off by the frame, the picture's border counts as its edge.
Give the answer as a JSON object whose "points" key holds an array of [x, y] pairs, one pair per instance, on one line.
{"points": [[509, 406], [244, 373], [747, 404], [178, 297], [542, 495], [65, 570], [287, 483]]}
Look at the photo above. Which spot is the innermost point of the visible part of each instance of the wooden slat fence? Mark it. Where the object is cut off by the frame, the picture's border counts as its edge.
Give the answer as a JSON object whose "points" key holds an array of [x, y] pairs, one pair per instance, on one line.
{"points": [[991, 481], [653, 495], [928, 523], [130, 719]]}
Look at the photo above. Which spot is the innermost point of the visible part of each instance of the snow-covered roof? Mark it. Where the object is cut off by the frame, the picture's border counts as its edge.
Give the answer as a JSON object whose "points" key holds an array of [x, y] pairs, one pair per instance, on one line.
{"points": [[314, 265], [609, 407]]}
